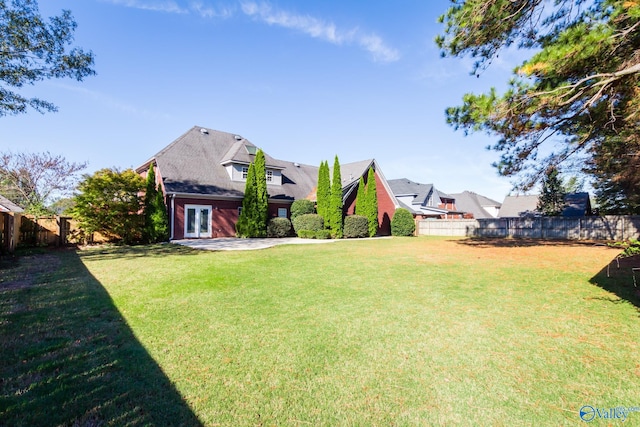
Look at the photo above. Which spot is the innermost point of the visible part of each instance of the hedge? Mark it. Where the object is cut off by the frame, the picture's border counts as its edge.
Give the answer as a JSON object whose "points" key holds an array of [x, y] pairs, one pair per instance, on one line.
{"points": [[402, 223], [356, 226], [279, 227], [311, 222]]}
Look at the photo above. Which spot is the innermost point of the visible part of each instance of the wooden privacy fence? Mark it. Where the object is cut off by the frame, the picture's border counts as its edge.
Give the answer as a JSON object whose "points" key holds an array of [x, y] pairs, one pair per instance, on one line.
{"points": [[53, 231], [587, 228]]}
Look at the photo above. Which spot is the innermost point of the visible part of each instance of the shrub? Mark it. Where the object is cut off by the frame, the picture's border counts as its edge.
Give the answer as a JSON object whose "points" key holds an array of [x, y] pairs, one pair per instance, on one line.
{"points": [[356, 226], [311, 222], [279, 227], [323, 234], [307, 234], [402, 223], [302, 207]]}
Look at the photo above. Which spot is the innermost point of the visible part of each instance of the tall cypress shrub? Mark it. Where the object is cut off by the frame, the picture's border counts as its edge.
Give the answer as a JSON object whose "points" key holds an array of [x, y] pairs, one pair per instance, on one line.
{"points": [[149, 197], [323, 192], [361, 197], [335, 206], [372, 203], [262, 198], [246, 225], [160, 218]]}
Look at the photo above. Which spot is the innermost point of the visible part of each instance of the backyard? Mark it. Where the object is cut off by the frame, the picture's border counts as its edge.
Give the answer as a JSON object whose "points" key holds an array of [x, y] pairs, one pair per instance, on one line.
{"points": [[401, 331]]}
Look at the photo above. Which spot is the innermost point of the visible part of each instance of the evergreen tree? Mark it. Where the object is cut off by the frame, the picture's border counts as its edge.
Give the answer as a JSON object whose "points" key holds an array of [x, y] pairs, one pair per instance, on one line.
{"points": [[576, 97], [149, 200], [372, 203], [246, 225], [335, 206], [262, 197], [361, 197], [551, 202], [160, 218], [323, 192]]}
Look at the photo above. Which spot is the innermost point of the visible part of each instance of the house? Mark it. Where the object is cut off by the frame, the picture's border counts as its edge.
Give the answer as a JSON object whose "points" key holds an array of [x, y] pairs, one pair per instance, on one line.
{"points": [[576, 205], [424, 200], [476, 205], [517, 206], [9, 224], [203, 176]]}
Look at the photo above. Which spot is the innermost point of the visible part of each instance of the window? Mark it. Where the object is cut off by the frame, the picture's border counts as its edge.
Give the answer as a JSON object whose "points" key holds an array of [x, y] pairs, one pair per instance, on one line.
{"points": [[282, 212], [245, 172], [269, 176]]}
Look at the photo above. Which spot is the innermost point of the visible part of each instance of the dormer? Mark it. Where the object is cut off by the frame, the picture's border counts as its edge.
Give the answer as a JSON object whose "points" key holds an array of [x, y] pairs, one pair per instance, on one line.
{"points": [[241, 154]]}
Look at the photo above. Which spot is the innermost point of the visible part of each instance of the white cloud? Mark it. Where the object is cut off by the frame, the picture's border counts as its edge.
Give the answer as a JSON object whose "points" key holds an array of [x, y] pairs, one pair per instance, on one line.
{"points": [[207, 11], [168, 6], [322, 30]]}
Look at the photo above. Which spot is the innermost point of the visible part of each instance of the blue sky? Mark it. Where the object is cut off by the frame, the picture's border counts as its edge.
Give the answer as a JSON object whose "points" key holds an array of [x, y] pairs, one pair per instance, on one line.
{"points": [[302, 80]]}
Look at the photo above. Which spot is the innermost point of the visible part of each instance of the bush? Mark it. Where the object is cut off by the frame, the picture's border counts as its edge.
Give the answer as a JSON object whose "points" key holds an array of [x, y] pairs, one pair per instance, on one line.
{"points": [[402, 223], [311, 234], [311, 222], [356, 226], [279, 227], [307, 234], [323, 234], [302, 207]]}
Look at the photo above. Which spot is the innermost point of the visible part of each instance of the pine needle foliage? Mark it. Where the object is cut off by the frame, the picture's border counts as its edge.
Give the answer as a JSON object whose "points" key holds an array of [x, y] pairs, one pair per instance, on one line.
{"points": [[335, 207]]}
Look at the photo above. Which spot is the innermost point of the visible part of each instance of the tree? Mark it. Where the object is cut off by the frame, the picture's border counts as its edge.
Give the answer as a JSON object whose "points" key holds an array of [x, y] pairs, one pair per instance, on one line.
{"points": [[323, 192], [156, 220], [262, 197], [617, 181], [551, 201], [578, 91], [32, 180], [253, 219], [372, 203], [246, 226], [301, 207], [108, 202], [32, 50], [335, 213], [361, 197]]}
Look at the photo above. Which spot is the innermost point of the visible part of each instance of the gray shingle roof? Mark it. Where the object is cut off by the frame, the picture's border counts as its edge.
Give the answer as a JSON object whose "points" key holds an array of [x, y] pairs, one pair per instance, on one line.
{"points": [[470, 202], [515, 206], [194, 164], [405, 187], [7, 205]]}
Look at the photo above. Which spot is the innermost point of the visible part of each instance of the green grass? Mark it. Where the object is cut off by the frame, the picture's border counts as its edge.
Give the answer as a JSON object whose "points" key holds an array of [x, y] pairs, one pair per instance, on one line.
{"points": [[399, 331]]}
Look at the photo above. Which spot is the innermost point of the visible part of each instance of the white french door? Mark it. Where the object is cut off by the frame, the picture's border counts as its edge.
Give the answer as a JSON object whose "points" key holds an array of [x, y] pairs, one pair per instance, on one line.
{"points": [[197, 221]]}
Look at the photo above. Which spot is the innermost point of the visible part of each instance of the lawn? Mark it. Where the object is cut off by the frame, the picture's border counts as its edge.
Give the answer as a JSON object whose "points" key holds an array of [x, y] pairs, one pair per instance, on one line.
{"points": [[402, 331]]}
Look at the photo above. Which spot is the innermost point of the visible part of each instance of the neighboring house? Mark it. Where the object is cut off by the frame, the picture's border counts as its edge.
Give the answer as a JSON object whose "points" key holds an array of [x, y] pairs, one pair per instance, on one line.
{"points": [[476, 206], [517, 206], [576, 205], [203, 176], [424, 200], [9, 227]]}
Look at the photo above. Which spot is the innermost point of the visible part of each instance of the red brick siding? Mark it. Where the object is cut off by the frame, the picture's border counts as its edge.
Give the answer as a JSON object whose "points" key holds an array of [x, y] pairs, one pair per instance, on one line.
{"points": [[224, 215], [386, 208]]}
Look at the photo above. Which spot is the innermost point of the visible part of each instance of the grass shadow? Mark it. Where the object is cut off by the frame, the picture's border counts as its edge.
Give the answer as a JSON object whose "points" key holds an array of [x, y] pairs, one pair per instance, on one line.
{"points": [[69, 358], [501, 242], [617, 278], [99, 252]]}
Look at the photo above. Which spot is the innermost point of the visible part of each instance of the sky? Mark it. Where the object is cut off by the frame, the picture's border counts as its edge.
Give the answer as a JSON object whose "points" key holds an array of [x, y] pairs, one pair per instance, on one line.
{"points": [[304, 81]]}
